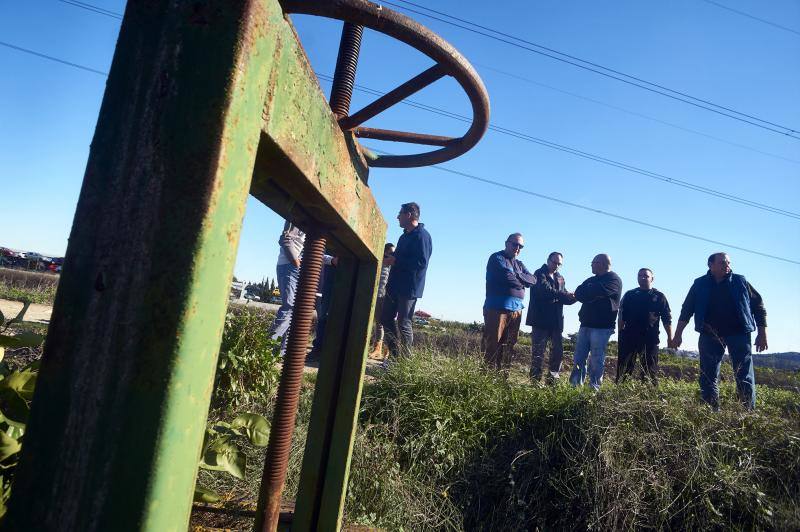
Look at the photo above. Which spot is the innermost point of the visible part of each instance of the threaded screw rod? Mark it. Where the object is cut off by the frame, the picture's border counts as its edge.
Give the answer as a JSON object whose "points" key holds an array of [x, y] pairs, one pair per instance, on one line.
{"points": [[344, 77], [283, 418]]}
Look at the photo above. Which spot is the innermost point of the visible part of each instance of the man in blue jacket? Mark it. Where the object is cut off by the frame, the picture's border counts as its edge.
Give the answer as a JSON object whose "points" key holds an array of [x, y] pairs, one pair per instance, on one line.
{"points": [[727, 309], [406, 283], [600, 297], [506, 279]]}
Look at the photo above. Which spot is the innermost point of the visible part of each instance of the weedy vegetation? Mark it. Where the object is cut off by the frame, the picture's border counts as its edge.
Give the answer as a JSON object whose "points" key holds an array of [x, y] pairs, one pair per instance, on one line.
{"points": [[34, 287], [443, 444]]}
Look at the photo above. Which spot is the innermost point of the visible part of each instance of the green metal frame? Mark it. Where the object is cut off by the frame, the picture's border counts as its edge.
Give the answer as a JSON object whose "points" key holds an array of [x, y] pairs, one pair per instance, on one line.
{"points": [[205, 102]]}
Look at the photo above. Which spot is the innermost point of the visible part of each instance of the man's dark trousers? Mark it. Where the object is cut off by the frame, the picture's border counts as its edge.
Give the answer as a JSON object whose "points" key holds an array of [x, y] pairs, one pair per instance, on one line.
{"points": [[396, 319], [539, 339], [633, 343], [712, 349]]}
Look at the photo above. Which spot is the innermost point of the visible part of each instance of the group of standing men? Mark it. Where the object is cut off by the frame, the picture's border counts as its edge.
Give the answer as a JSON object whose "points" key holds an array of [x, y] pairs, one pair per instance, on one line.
{"points": [[726, 309], [402, 282]]}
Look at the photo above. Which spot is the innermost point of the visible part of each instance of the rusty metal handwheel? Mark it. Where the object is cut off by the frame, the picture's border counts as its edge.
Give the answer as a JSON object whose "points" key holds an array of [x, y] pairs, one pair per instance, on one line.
{"points": [[449, 62]]}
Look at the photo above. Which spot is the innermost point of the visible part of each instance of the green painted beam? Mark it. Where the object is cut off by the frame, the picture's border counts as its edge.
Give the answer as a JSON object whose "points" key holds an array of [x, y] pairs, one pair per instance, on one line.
{"points": [[334, 415], [307, 170], [122, 396]]}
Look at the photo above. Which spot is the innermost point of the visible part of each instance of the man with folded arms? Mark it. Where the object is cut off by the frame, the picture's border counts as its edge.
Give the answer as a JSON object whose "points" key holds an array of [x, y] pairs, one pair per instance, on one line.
{"points": [[506, 279]]}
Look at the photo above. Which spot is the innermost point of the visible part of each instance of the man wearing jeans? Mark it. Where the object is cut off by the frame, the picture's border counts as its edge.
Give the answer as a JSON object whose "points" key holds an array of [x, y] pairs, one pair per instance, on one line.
{"points": [[600, 297], [727, 309], [506, 279], [288, 272], [546, 316], [409, 264]]}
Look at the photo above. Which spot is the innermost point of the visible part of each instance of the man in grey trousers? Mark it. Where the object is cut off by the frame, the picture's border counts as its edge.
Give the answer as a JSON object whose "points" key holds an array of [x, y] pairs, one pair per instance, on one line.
{"points": [[546, 316]]}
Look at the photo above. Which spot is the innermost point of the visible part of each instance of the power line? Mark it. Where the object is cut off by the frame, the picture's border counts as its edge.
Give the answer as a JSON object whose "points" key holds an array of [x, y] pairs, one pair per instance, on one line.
{"points": [[601, 70], [51, 58], [602, 212], [790, 132], [490, 181], [93, 8], [512, 133], [590, 156], [102, 11], [748, 15], [634, 113]]}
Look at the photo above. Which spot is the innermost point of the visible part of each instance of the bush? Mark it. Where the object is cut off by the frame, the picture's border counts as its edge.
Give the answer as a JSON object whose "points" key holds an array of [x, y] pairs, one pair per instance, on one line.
{"points": [[247, 370]]}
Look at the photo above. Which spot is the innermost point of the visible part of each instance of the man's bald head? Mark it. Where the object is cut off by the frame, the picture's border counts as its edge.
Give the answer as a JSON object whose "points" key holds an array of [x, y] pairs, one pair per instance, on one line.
{"points": [[601, 264]]}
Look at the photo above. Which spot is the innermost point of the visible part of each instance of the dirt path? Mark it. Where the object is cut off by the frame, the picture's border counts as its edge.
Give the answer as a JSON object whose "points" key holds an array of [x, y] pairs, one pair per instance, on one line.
{"points": [[36, 313]]}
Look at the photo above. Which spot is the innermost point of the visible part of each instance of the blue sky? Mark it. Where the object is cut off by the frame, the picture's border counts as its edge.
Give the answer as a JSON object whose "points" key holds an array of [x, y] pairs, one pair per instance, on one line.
{"points": [[48, 112]]}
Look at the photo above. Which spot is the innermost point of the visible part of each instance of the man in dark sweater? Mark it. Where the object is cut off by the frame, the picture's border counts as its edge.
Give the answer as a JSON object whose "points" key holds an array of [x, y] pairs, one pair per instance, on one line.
{"points": [[599, 296], [639, 313], [727, 309], [546, 317], [506, 279], [409, 264]]}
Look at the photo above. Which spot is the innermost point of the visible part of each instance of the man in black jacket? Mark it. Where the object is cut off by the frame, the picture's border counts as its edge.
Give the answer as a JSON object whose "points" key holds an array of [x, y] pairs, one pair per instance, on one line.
{"points": [[639, 313], [406, 279], [600, 296], [506, 279], [546, 316]]}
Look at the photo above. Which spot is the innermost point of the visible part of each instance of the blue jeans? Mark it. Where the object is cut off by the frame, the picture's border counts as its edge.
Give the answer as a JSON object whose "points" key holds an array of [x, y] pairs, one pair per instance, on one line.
{"points": [[594, 340], [712, 348], [287, 274], [323, 306], [396, 316]]}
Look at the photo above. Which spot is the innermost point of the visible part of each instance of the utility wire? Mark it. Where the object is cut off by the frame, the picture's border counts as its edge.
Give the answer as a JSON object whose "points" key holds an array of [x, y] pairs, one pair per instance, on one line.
{"points": [[51, 58], [586, 155], [748, 15], [93, 8], [600, 69], [638, 82], [490, 181], [506, 186], [633, 113], [102, 11], [512, 133]]}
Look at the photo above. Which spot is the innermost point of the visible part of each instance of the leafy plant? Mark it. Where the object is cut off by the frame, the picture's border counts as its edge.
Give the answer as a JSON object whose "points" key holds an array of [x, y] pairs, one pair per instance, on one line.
{"points": [[22, 338], [247, 370], [16, 393], [222, 448]]}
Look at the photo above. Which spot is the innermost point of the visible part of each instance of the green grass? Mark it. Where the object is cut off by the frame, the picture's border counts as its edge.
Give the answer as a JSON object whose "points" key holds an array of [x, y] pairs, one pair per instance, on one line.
{"points": [[509, 456], [43, 295], [22, 285], [444, 445]]}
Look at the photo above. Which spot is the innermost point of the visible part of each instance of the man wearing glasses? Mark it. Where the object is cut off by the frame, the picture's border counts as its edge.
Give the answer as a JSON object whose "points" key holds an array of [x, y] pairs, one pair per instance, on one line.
{"points": [[506, 279], [546, 316], [599, 295]]}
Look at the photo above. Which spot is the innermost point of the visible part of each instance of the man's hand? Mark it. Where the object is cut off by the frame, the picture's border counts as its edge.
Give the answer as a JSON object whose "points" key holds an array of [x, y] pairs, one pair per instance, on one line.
{"points": [[761, 341], [677, 340], [389, 261], [335, 261], [296, 263]]}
